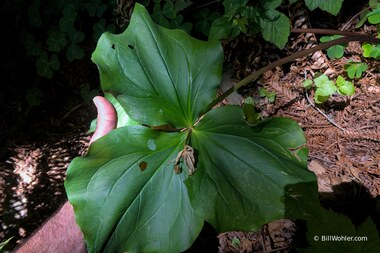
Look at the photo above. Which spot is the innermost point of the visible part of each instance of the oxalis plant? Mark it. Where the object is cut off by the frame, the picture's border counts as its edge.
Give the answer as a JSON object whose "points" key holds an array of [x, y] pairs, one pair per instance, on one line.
{"points": [[174, 162]]}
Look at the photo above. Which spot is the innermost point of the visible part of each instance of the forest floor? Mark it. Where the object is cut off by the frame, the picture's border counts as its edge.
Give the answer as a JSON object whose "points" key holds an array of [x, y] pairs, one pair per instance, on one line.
{"points": [[343, 137]]}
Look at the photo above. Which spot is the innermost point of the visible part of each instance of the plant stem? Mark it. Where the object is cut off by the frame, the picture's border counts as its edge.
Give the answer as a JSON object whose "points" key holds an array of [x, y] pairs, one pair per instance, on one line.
{"points": [[328, 31], [253, 76]]}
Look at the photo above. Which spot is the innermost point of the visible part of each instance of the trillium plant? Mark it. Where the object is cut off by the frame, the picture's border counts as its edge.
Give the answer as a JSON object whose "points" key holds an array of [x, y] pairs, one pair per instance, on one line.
{"points": [[173, 163]]}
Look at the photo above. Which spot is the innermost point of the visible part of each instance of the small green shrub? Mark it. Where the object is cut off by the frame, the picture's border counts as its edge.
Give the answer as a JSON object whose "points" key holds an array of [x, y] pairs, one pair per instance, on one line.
{"points": [[355, 69], [371, 51], [271, 96], [324, 87]]}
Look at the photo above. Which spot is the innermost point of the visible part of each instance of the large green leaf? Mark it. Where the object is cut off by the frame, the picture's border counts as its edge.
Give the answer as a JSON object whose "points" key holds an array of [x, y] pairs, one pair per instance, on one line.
{"points": [[242, 170], [160, 76], [125, 192], [127, 197]]}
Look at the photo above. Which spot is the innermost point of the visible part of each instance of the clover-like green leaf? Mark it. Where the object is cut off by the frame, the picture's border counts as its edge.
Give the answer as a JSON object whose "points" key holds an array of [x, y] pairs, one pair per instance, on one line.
{"points": [[32, 46], [371, 51], [334, 52], [46, 64], [74, 52], [345, 87], [307, 84], [159, 76], [127, 197], [242, 171], [374, 16], [325, 88], [355, 69], [56, 41], [66, 23]]}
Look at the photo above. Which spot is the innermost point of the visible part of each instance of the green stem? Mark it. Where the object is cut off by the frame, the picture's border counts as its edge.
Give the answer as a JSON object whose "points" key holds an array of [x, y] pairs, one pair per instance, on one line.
{"points": [[252, 77]]}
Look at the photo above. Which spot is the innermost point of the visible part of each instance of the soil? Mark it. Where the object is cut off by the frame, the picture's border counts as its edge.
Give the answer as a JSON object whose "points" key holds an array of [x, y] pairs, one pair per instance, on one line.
{"points": [[343, 135]]}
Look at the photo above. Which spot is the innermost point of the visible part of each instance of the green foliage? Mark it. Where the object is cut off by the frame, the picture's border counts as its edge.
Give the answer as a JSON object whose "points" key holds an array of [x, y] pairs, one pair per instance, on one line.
{"points": [[204, 19], [345, 88], [57, 30], [264, 18], [374, 16], [4, 243], [239, 16], [135, 192], [250, 114], [46, 65], [334, 52], [261, 17], [235, 242], [371, 51], [355, 69], [307, 84], [271, 96], [373, 11], [331, 6], [168, 13], [324, 87]]}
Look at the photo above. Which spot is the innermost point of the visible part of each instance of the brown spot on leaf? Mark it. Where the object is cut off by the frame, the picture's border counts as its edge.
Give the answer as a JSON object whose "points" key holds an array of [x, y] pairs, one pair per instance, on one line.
{"points": [[143, 165]]}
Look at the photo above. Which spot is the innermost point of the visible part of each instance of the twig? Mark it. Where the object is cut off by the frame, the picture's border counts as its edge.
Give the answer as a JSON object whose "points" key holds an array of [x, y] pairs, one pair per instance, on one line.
{"points": [[321, 112], [253, 76]]}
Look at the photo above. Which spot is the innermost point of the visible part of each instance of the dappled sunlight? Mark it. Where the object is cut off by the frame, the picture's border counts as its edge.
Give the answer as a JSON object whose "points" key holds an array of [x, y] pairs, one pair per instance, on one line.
{"points": [[31, 184]]}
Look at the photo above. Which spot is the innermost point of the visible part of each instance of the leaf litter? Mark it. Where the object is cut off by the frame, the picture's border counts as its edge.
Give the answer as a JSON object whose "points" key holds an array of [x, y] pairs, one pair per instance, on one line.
{"points": [[347, 152]]}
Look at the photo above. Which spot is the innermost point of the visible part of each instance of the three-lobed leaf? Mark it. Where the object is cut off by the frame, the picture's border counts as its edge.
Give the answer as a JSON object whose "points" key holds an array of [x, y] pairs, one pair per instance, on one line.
{"points": [[355, 69], [160, 68]]}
